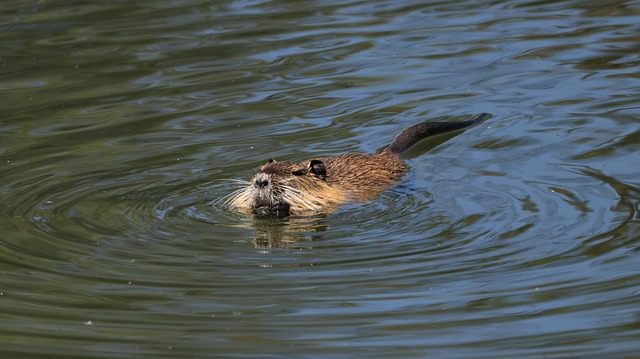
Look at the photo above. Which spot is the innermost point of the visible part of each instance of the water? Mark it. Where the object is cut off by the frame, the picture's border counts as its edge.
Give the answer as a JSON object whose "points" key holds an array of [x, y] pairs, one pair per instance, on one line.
{"points": [[121, 123]]}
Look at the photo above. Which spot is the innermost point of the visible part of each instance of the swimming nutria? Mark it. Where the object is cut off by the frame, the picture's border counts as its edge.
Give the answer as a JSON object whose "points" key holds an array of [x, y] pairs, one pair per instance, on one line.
{"points": [[321, 185]]}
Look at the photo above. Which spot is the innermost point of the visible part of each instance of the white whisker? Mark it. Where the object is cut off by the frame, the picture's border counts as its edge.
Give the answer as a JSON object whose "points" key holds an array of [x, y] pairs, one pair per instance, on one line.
{"points": [[235, 180], [230, 198], [299, 201]]}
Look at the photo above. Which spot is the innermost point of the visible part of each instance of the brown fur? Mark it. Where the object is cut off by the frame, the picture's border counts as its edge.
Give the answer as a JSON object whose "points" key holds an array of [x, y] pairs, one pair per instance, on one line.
{"points": [[363, 176], [321, 185]]}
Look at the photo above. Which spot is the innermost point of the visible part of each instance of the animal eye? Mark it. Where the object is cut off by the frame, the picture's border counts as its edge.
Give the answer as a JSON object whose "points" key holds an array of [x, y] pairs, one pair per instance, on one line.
{"points": [[298, 172], [317, 168]]}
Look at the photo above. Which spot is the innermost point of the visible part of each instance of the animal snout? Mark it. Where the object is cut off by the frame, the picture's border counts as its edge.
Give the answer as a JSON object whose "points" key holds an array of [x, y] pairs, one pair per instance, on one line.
{"points": [[260, 183]]}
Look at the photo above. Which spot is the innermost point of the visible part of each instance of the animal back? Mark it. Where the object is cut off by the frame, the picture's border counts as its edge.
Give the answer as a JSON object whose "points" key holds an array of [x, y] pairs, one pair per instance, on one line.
{"points": [[363, 176]]}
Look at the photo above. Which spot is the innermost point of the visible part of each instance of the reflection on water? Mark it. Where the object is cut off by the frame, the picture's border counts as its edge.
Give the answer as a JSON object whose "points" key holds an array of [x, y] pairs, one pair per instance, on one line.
{"points": [[122, 123]]}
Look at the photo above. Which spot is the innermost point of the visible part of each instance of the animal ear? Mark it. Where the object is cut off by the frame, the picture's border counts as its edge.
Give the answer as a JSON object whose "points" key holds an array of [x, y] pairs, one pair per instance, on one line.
{"points": [[317, 168], [271, 161]]}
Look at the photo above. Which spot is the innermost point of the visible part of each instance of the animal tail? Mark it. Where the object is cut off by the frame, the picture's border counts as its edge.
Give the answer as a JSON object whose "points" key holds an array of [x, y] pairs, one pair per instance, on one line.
{"points": [[412, 134]]}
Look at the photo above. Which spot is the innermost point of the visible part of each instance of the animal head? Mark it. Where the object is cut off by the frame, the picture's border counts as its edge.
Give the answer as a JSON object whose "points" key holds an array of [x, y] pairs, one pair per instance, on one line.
{"points": [[285, 188]]}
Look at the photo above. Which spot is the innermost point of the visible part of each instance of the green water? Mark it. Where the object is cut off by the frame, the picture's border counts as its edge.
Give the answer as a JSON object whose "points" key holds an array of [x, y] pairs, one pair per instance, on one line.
{"points": [[121, 124]]}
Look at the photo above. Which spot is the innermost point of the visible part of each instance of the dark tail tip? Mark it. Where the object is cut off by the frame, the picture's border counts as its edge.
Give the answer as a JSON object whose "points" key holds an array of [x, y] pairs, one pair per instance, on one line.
{"points": [[478, 118], [415, 133]]}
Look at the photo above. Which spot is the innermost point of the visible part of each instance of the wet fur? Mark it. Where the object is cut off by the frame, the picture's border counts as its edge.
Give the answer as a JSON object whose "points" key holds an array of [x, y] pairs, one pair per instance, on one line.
{"points": [[321, 185]]}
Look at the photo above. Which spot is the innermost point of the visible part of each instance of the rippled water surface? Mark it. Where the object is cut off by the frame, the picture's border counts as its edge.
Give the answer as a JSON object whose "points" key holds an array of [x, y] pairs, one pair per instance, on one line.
{"points": [[121, 124]]}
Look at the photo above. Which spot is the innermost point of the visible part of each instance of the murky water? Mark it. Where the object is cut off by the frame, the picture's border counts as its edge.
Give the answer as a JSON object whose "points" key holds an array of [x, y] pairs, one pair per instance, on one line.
{"points": [[122, 122]]}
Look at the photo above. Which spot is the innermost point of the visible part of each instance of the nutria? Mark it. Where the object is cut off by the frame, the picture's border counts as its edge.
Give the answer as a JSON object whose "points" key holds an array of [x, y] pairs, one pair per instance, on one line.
{"points": [[321, 185]]}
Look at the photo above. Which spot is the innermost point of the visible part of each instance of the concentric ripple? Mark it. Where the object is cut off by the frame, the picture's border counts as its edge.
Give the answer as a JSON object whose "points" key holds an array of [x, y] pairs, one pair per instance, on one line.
{"points": [[125, 124]]}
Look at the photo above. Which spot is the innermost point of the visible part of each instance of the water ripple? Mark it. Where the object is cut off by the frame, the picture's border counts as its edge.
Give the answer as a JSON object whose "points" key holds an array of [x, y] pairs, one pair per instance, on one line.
{"points": [[122, 123]]}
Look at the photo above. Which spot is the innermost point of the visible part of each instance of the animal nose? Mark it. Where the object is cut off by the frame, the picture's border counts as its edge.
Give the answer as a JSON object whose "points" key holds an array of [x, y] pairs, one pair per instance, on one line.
{"points": [[261, 183]]}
